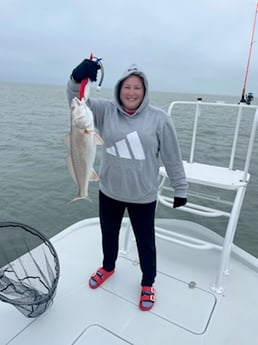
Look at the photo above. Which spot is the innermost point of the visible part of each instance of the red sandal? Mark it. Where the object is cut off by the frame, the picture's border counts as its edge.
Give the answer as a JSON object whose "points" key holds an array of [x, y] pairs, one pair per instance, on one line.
{"points": [[99, 277], [147, 295]]}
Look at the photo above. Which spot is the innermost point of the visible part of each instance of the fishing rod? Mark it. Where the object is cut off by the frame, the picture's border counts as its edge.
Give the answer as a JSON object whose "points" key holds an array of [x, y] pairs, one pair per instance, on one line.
{"points": [[249, 97]]}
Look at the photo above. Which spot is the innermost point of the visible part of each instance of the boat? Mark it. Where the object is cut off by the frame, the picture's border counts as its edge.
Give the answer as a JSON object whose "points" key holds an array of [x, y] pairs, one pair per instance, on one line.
{"points": [[206, 285]]}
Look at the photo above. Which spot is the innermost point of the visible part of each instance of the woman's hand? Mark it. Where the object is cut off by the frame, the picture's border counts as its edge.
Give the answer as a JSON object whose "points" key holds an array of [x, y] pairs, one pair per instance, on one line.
{"points": [[179, 202], [87, 69]]}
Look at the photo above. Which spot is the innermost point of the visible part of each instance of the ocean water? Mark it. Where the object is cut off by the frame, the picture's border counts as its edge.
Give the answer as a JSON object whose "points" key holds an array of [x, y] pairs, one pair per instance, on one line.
{"points": [[35, 185]]}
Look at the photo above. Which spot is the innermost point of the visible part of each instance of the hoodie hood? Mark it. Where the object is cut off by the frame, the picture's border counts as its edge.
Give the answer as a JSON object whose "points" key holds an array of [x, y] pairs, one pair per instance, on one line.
{"points": [[132, 70]]}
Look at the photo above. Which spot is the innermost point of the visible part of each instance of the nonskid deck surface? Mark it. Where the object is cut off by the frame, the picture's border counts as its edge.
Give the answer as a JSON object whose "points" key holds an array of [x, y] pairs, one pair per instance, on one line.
{"points": [[186, 310]]}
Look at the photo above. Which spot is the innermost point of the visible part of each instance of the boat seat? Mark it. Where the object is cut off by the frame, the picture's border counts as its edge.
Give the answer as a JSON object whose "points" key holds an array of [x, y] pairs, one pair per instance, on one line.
{"points": [[213, 176], [205, 175]]}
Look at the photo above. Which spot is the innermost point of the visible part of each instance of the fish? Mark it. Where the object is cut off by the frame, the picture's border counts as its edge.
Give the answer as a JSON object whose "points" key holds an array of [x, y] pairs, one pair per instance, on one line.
{"points": [[81, 143]]}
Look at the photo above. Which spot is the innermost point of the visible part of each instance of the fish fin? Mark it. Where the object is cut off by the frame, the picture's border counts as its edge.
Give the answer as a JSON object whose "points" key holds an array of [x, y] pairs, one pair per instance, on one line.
{"points": [[94, 176], [69, 164], [67, 141], [81, 198], [98, 139]]}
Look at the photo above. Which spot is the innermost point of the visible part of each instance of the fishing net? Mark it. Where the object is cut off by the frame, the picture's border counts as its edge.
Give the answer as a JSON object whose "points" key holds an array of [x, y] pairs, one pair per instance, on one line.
{"points": [[29, 269]]}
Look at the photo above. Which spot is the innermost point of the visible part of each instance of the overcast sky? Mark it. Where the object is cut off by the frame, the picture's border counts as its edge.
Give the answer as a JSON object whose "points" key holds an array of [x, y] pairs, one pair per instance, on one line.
{"points": [[183, 46]]}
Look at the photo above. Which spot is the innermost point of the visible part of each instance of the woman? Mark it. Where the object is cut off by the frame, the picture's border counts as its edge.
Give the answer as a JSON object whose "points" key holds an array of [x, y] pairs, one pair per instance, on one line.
{"points": [[135, 135]]}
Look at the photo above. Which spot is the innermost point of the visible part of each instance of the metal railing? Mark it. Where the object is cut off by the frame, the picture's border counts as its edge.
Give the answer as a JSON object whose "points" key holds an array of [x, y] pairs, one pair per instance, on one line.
{"points": [[205, 211]]}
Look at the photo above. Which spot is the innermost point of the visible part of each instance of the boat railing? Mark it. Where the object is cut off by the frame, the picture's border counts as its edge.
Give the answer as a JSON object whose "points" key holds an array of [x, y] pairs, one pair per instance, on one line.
{"points": [[239, 115], [224, 177]]}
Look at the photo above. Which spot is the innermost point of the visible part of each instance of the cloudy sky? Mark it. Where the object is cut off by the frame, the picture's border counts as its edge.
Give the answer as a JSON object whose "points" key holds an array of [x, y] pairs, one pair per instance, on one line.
{"points": [[183, 46]]}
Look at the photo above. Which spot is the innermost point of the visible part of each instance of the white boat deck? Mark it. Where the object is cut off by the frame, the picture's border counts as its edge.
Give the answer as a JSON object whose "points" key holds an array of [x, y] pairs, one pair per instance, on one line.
{"points": [[207, 288], [187, 311]]}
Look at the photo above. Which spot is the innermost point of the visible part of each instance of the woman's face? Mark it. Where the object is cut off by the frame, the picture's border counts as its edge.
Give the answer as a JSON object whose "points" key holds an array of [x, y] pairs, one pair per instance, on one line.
{"points": [[132, 93]]}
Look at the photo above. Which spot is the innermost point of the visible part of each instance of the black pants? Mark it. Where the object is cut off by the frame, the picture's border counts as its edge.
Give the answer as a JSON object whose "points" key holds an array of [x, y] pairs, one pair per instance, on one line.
{"points": [[142, 219]]}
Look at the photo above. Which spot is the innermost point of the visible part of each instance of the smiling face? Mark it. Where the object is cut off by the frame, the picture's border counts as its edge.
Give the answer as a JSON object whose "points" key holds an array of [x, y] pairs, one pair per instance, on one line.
{"points": [[132, 93]]}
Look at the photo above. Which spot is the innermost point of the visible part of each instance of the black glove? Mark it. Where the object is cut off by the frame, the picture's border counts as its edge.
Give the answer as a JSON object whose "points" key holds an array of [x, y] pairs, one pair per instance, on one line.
{"points": [[179, 201], [86, 69]]}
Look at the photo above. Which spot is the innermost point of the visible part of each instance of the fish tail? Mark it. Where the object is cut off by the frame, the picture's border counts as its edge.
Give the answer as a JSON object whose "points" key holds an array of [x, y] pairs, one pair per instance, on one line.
{"points": [[81, 198]]}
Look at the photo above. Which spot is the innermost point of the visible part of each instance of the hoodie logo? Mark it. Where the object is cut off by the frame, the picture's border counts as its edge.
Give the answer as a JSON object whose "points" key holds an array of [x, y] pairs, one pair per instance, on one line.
{"points": [[128, 148]]}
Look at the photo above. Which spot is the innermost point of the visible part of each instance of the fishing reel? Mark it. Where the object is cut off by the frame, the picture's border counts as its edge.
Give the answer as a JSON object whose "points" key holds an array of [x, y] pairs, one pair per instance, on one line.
{"points": [[99, 62], [249, 98]]}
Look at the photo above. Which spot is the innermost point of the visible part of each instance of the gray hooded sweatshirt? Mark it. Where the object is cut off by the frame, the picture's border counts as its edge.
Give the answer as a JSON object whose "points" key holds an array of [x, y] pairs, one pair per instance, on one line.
{"points": [[133, 145]]}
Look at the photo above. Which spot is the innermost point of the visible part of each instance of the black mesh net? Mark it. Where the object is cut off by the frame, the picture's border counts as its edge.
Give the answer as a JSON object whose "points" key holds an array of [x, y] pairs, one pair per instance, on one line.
{"points": [[29, 268]]}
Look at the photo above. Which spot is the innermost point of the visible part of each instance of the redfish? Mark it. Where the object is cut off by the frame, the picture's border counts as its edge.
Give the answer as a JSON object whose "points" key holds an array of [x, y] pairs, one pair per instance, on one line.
{"points": [[81, 143]]}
